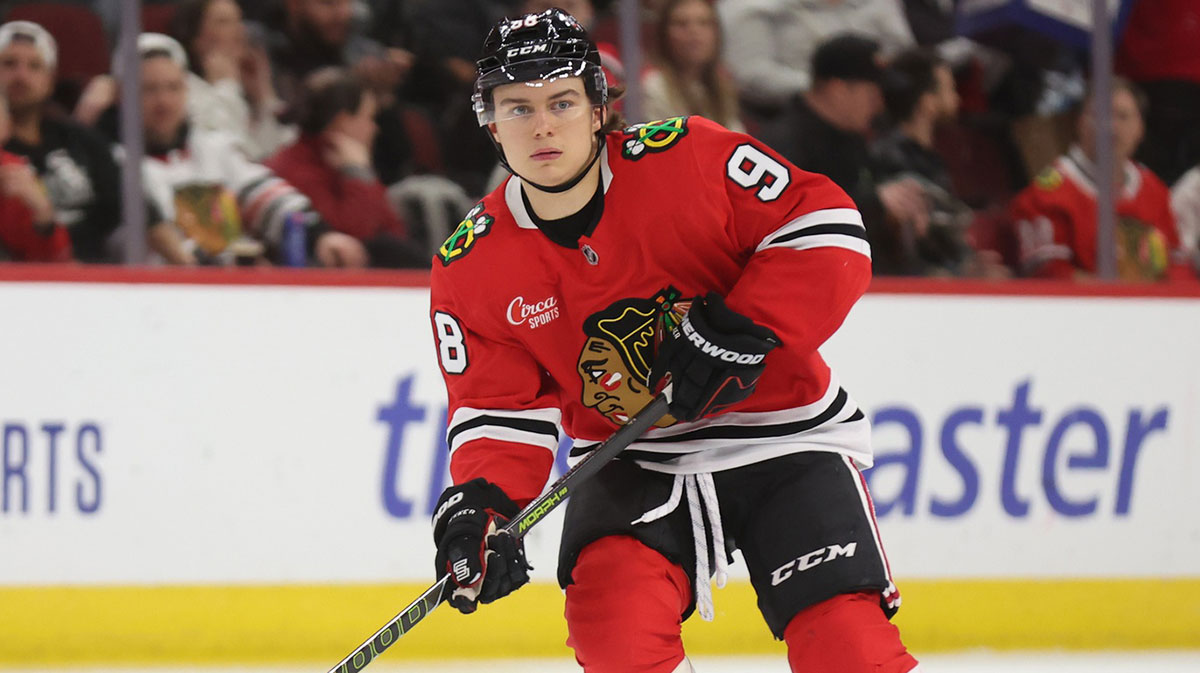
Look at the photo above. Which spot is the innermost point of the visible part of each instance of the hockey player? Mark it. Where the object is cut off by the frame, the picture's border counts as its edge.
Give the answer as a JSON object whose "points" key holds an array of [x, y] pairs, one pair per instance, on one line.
{"points": [[612, 262]]}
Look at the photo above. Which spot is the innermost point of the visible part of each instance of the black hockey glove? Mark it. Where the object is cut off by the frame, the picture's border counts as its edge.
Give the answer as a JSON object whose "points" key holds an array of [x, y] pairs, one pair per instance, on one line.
{"points": [[714, 357], [484, 562]]}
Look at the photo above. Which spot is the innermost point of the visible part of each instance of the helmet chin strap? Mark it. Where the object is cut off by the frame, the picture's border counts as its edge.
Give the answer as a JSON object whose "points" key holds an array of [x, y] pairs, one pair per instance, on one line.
{"points": [[558, 189]]}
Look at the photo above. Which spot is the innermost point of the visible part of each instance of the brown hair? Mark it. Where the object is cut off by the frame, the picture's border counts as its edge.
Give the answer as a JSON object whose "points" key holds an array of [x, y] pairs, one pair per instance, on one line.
{"points": [[720, 102], [613, 119]]}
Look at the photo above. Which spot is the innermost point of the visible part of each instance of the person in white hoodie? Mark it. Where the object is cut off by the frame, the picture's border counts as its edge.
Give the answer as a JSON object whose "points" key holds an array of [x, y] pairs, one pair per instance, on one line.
{"points": [[769, 43], [1185, 201]]}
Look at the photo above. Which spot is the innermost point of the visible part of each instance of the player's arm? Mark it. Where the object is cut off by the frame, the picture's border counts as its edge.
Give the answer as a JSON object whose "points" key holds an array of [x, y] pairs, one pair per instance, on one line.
{"points": [[502, 435], [809, 260]]}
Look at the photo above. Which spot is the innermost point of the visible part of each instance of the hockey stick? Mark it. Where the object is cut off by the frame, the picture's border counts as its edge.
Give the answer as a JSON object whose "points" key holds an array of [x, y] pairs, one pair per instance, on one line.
{"points": [[534, 512]]}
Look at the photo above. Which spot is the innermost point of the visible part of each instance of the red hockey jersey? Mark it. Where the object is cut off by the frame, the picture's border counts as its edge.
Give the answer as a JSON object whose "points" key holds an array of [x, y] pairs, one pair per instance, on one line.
{"points": [[1056, 223], [534, 337]]}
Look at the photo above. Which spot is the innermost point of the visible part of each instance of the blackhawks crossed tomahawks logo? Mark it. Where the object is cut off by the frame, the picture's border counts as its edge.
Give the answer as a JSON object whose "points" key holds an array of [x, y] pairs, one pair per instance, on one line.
{"points": [[476, 224], [650, 137]]}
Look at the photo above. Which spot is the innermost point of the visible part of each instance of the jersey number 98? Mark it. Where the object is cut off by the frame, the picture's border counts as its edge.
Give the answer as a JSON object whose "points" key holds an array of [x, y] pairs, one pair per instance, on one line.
{"points": [[451, 349]]}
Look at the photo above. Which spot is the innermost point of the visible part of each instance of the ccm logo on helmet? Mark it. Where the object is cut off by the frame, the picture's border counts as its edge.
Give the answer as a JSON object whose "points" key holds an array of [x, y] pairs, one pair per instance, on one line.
{"points": [[712, 350], [527, 49]]}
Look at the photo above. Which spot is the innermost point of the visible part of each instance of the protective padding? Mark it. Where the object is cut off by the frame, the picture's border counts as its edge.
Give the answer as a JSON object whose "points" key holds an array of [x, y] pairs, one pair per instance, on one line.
{"points": [[846, 634], [624, 608]]}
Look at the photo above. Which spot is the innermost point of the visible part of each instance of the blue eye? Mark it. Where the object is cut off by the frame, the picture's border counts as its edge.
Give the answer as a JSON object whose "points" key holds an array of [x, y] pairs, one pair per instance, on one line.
{"points": [[520, 110], [562, 105]]}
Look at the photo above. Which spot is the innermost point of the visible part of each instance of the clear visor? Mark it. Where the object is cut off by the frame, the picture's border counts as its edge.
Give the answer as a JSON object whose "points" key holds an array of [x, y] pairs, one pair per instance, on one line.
{"points": [[537, 98]]}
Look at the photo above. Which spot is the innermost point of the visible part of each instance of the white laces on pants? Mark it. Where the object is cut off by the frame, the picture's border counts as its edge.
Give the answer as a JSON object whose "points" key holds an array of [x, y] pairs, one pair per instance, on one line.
{"points": [[701, 493]]}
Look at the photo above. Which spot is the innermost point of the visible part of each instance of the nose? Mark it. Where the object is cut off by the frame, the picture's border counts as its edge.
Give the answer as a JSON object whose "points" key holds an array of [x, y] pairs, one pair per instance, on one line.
{"points": [[543, 124]]}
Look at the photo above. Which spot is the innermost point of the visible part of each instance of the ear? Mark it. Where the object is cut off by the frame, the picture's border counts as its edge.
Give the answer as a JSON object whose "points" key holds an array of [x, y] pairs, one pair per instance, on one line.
{"points": [[599, 116]]}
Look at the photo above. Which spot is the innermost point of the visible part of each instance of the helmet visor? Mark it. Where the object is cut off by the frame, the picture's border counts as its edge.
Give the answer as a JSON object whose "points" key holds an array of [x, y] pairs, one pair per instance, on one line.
{"points": [[536, 74]]}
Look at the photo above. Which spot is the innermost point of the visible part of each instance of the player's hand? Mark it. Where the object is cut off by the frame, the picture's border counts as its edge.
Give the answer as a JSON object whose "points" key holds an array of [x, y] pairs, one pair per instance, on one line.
{"points": [[484, 563], [714, 357], [335, 249]]}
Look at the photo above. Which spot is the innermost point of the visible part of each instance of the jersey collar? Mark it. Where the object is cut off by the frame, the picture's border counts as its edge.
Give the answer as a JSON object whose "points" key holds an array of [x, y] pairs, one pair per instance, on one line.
{"points": [[516, 204], [1083, 170]]}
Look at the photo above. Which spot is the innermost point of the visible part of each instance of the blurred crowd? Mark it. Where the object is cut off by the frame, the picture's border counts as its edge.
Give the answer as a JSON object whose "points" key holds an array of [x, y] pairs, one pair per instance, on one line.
{"points": [[339, 133]]}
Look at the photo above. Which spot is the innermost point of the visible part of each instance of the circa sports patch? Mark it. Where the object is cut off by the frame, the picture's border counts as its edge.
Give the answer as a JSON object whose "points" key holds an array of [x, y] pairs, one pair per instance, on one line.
{"points": [[474, 226], [652, 137]]}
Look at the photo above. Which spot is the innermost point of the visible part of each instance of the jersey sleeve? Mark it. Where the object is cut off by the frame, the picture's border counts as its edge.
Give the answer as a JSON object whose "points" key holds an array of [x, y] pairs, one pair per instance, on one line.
{"points": [[1043, 230], [504, 421], [809, 260]]}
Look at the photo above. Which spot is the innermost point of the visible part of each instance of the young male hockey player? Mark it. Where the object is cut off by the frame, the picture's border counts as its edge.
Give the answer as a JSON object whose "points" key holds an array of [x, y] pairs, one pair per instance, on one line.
{"points": [[611, 262]]}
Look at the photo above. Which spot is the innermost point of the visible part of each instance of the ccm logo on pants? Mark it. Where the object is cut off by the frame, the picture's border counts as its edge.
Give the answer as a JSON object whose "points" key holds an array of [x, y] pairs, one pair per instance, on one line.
{"points": [[810, 560]]}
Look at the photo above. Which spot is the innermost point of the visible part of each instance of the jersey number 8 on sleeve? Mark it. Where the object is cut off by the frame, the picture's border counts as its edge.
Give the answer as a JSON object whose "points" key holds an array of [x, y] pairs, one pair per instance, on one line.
{"points": [[451, 349], [750, 166]]}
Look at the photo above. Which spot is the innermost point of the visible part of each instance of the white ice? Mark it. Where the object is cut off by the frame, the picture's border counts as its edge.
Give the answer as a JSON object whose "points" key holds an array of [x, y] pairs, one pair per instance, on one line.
{"points": [[971, 662]]}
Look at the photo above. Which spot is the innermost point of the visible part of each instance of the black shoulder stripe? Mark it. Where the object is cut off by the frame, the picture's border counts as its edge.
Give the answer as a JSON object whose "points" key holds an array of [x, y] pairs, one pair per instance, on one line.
{"points": [[844, 229], [522, 424]]}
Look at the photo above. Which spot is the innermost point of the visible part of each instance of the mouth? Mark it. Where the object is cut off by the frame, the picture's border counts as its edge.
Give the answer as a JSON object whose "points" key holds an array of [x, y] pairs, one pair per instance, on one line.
{"points": [[546, 154]]}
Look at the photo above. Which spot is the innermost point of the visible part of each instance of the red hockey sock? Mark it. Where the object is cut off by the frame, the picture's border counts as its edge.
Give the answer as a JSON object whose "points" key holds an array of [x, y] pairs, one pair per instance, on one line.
{"points": [[846, 634], [624, 608]]}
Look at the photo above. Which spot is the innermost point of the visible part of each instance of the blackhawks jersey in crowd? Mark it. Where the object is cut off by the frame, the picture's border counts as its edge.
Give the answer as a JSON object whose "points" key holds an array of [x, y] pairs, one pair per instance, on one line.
{"points": [[1056, 222], [535, 338]]}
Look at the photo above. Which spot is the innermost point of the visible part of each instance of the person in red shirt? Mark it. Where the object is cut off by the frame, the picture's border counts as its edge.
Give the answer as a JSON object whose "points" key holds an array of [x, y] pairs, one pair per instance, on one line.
{"points": [[1159, 52], [1055, 217], [331, 164], [611, 262], [28, 231]]}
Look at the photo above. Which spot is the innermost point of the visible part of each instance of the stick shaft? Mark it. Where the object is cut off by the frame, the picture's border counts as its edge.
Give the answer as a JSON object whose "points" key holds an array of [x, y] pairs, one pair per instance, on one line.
{"points": [[526, 519]]}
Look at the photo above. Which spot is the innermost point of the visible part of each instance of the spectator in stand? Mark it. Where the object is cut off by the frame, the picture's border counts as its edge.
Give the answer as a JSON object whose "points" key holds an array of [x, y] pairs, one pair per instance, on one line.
{"points": [[1185, 202], [920, 96], [1056, 215], [1160, 51], [320, 33], [770, 43], [331, 165], [689, 77], [218, 207], [825, 130], [28, 232], [72, 162], [229, 86], [451, 34]]}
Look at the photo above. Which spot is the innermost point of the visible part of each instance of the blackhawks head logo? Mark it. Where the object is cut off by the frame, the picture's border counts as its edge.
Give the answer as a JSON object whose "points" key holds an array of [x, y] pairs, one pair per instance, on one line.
{"points": [[619, 352], [476, 224], [650, 137]]}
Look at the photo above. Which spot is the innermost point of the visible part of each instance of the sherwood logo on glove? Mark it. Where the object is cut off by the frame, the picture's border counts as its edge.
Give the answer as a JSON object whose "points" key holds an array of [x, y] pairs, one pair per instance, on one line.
{"points": [[712, 350]]}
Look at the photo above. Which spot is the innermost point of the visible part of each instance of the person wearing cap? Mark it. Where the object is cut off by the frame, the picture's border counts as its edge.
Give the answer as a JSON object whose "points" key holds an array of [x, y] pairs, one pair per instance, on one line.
{"points": [[826, 129], [74, 163], [217, 206], [770, 43], [618, 268], [28, 232]]}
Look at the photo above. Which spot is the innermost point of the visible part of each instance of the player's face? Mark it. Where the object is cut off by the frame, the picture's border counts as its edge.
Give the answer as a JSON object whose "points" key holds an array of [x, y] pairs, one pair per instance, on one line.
{"points": [[608, 387], [547, 129], [164, 99], [692, 34], [25, 76]]}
